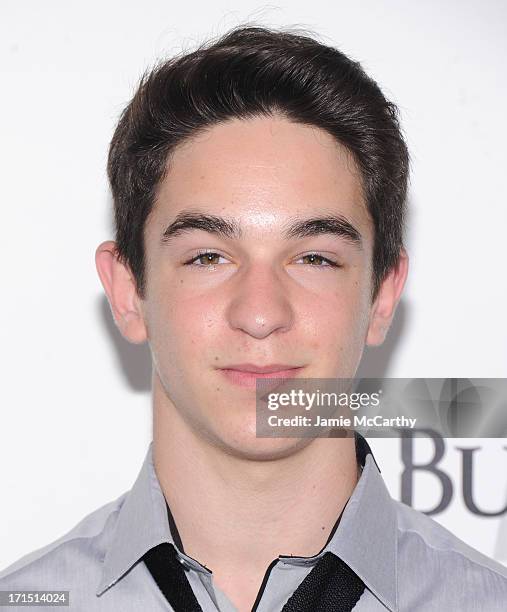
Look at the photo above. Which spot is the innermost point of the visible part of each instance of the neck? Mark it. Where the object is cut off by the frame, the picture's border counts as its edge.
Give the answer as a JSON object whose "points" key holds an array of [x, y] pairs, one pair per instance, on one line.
{"points": [[231, 512]]}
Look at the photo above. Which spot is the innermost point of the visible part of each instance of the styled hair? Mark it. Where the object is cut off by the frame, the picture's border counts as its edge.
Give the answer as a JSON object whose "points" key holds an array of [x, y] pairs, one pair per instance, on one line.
{"points": [[255, 71]]}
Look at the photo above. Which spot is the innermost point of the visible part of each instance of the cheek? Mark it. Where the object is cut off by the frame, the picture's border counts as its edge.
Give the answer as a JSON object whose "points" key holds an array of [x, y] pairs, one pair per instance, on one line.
{"points": [[184, 324], [338, 321]]}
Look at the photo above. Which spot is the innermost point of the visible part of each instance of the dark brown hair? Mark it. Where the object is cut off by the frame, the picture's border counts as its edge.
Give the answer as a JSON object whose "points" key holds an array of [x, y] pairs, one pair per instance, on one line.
{"points": [[253, 71]]}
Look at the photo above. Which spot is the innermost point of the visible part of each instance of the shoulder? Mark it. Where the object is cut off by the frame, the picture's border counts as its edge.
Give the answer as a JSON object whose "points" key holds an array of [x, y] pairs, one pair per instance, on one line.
{"points": [[55, 564], [436, 565]]}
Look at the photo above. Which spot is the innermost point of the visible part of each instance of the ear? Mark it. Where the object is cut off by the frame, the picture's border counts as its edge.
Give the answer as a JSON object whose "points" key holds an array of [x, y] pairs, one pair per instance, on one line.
{"points": [[120, 287], [387, 299]]}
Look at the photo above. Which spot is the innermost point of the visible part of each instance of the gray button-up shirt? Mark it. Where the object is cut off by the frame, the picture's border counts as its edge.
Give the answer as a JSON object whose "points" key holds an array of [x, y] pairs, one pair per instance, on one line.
{"points": [[408, 562]]}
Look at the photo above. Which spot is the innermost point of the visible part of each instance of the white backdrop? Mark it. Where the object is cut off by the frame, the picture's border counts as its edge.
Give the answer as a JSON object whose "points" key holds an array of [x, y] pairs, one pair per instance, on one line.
{"points": [[73, 389]]}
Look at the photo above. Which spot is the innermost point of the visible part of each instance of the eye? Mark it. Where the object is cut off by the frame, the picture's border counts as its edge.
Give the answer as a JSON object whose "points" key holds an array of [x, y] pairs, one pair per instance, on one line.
{"points": [[205, 259], [318, 261]]}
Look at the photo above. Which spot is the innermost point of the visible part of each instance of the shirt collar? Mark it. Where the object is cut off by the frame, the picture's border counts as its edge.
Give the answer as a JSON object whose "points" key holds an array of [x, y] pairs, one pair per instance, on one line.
{"points": [[366, 536], [142, 524]]}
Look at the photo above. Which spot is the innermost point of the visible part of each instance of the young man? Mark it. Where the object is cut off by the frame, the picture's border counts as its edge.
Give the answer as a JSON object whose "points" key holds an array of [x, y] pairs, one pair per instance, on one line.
{"points": [[259, 187]]}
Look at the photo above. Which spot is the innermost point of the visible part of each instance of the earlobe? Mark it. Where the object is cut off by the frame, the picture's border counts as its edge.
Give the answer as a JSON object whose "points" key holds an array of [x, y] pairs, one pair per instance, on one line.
{"points": [[386, 301], [120, 288]]}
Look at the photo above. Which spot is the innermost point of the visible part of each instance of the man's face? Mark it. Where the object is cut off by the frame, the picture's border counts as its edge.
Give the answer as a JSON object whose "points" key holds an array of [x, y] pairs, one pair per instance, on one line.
{"points": [[261, 298]]}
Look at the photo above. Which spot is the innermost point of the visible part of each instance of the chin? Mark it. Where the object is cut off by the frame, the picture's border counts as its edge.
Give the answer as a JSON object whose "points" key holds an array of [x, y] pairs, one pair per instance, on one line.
{"points": [[262, 449]]}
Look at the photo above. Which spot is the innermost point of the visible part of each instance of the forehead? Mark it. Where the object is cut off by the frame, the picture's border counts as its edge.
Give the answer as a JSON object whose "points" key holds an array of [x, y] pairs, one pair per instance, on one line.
{"points": [[262, 170]]}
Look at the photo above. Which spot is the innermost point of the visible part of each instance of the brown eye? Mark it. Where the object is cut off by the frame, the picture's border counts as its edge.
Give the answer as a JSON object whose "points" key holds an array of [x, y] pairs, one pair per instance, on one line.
{"points": [[204, 259], [316, 260], [208, 258]]}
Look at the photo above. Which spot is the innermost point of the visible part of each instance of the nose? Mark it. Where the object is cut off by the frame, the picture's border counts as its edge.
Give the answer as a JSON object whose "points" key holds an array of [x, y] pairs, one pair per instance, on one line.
{"points": [[261, 303]]}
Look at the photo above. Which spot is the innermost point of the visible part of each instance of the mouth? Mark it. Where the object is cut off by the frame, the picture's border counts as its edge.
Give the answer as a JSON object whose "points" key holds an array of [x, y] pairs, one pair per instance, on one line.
{"points": [[245, 375]]}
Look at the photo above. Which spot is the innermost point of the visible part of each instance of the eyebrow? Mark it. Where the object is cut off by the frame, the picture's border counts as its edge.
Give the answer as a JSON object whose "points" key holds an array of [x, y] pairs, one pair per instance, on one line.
{"points": [[213, 224], [336, 225], [228, 228]]}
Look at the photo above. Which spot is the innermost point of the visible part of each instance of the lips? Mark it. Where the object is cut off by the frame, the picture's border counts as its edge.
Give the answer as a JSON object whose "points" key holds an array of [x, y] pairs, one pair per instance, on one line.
{"points": [[267, 369], [245, 374]]}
